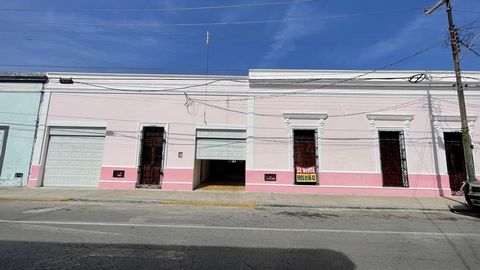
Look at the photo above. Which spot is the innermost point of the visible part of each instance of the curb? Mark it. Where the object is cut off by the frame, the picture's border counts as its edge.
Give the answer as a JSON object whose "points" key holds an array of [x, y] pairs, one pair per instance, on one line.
{"points": [[170, 202], [16, 199], [381, 208], [452, 209]]}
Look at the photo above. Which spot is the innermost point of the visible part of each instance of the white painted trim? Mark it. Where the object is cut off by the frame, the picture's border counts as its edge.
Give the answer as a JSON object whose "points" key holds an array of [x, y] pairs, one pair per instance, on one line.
{"points": [[432, 174], [362, 92], [221, 126], [179, 168], [453, 118], [117, 166], [180, 183], [305, 116], [250, 158], [318, 132], [86, 124], [21, 87], [271, 170], [375, 128], [40, 142], [331, 186], [45, 130], [116, 181], [440, 140], [108, 76], [349, 172], [390, 117]]}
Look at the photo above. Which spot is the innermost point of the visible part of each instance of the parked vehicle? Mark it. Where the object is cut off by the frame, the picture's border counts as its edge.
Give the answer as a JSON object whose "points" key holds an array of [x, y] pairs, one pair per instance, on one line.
{"points": [[472, 193]]}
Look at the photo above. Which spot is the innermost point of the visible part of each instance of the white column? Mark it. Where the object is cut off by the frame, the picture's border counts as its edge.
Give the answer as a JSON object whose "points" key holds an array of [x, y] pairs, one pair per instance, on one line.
{"points": [[41, 138], [250, 164]]}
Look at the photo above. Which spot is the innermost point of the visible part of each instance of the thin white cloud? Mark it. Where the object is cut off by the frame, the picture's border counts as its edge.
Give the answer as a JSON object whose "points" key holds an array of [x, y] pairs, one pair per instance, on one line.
{"points": [[290, 32], [81, 44], [418, 29]]}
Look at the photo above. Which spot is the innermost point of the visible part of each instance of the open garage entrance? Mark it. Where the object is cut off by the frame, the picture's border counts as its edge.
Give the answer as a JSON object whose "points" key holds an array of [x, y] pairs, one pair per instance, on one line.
{"points": [[220, 159], [222, 175]]}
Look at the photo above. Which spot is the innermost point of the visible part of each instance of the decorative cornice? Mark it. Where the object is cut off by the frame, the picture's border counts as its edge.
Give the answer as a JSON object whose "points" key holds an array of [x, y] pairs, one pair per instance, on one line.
{"points": [[315, 116], [390, 117], [452, 118]]}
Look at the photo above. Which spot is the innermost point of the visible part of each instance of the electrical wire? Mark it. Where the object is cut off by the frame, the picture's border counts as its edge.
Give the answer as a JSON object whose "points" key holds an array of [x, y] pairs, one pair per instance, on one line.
{"points": [[251, 5], [435, 45], [181, 136], [470, 49], [248, 22], [110, 67], [149, 90]]}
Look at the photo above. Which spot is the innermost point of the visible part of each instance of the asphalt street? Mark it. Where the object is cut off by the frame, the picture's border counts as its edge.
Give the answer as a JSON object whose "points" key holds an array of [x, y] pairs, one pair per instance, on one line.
{"points": [[152, 236]]}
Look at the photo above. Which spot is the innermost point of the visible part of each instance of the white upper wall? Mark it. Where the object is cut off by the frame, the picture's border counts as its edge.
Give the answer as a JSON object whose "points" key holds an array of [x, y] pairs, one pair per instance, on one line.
{"points": [[336, 82], [160, 84]]}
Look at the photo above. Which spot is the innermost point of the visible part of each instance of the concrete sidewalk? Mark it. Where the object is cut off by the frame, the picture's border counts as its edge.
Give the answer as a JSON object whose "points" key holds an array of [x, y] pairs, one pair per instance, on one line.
{"points": [[234, 198]]}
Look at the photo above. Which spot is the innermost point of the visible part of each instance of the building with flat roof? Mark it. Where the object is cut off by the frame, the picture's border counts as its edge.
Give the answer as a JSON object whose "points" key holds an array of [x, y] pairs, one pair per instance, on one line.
{"points": [[20, 96], [316, 131]]}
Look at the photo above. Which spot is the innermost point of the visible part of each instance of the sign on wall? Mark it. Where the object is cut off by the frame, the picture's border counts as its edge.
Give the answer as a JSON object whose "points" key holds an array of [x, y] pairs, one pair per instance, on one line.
{"points": [[306, 174]]}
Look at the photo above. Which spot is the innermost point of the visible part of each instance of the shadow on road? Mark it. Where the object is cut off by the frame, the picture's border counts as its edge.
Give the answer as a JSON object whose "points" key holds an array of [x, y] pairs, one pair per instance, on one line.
{"points": [[465, 210], [35, 255]]}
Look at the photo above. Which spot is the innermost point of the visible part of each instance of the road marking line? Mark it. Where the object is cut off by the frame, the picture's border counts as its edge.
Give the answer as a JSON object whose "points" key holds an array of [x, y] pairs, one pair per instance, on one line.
{"points": [[43, 210], [24, 199], [60, 229], [205, 227]]}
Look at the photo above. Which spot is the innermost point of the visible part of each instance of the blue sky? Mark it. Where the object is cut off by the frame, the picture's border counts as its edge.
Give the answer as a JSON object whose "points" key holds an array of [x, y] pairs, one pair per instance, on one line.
{"points": [[304, 35]]}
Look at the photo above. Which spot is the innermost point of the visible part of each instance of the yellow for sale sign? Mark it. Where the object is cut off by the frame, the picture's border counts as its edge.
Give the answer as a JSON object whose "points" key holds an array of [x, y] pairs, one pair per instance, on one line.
{"points": [[306, 174]]}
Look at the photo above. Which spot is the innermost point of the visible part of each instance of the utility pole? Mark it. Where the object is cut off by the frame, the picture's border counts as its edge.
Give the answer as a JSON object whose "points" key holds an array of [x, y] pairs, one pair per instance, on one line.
{"points": [[467, 143]]}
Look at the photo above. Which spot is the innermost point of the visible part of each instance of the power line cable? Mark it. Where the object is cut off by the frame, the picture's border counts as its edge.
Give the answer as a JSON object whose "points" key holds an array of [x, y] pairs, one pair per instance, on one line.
{"points": [[399, 106], [470, 49], [435, 45], [251, 5], [110, 67], [248, 22], [150, 90]]}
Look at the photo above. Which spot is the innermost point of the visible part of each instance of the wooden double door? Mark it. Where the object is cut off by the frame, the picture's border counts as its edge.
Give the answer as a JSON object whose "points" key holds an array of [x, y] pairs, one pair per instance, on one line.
{"points": [[152, 156], [457, 172], [304, 152], [393, 159]]}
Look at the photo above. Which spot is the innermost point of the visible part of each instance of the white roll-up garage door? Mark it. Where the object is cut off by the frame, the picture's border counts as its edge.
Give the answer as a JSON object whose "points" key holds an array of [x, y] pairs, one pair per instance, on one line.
{"points": [[221, 144], [74, 157]]}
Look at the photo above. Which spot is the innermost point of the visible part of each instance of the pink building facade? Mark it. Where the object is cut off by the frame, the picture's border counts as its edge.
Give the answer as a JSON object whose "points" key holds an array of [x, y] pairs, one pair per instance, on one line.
{"points": [[384, 133]]}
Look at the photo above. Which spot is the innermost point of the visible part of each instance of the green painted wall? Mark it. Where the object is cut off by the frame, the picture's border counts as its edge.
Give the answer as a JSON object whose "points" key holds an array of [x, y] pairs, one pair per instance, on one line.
{"points": [[18, 111]]}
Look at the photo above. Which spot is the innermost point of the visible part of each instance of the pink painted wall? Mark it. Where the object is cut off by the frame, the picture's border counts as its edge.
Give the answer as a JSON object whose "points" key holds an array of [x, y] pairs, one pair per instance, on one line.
{"points": [[344, 138], [34, 176], [124, 115], [351, 181], [350, 191], [107, 181], [348, 158]]}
